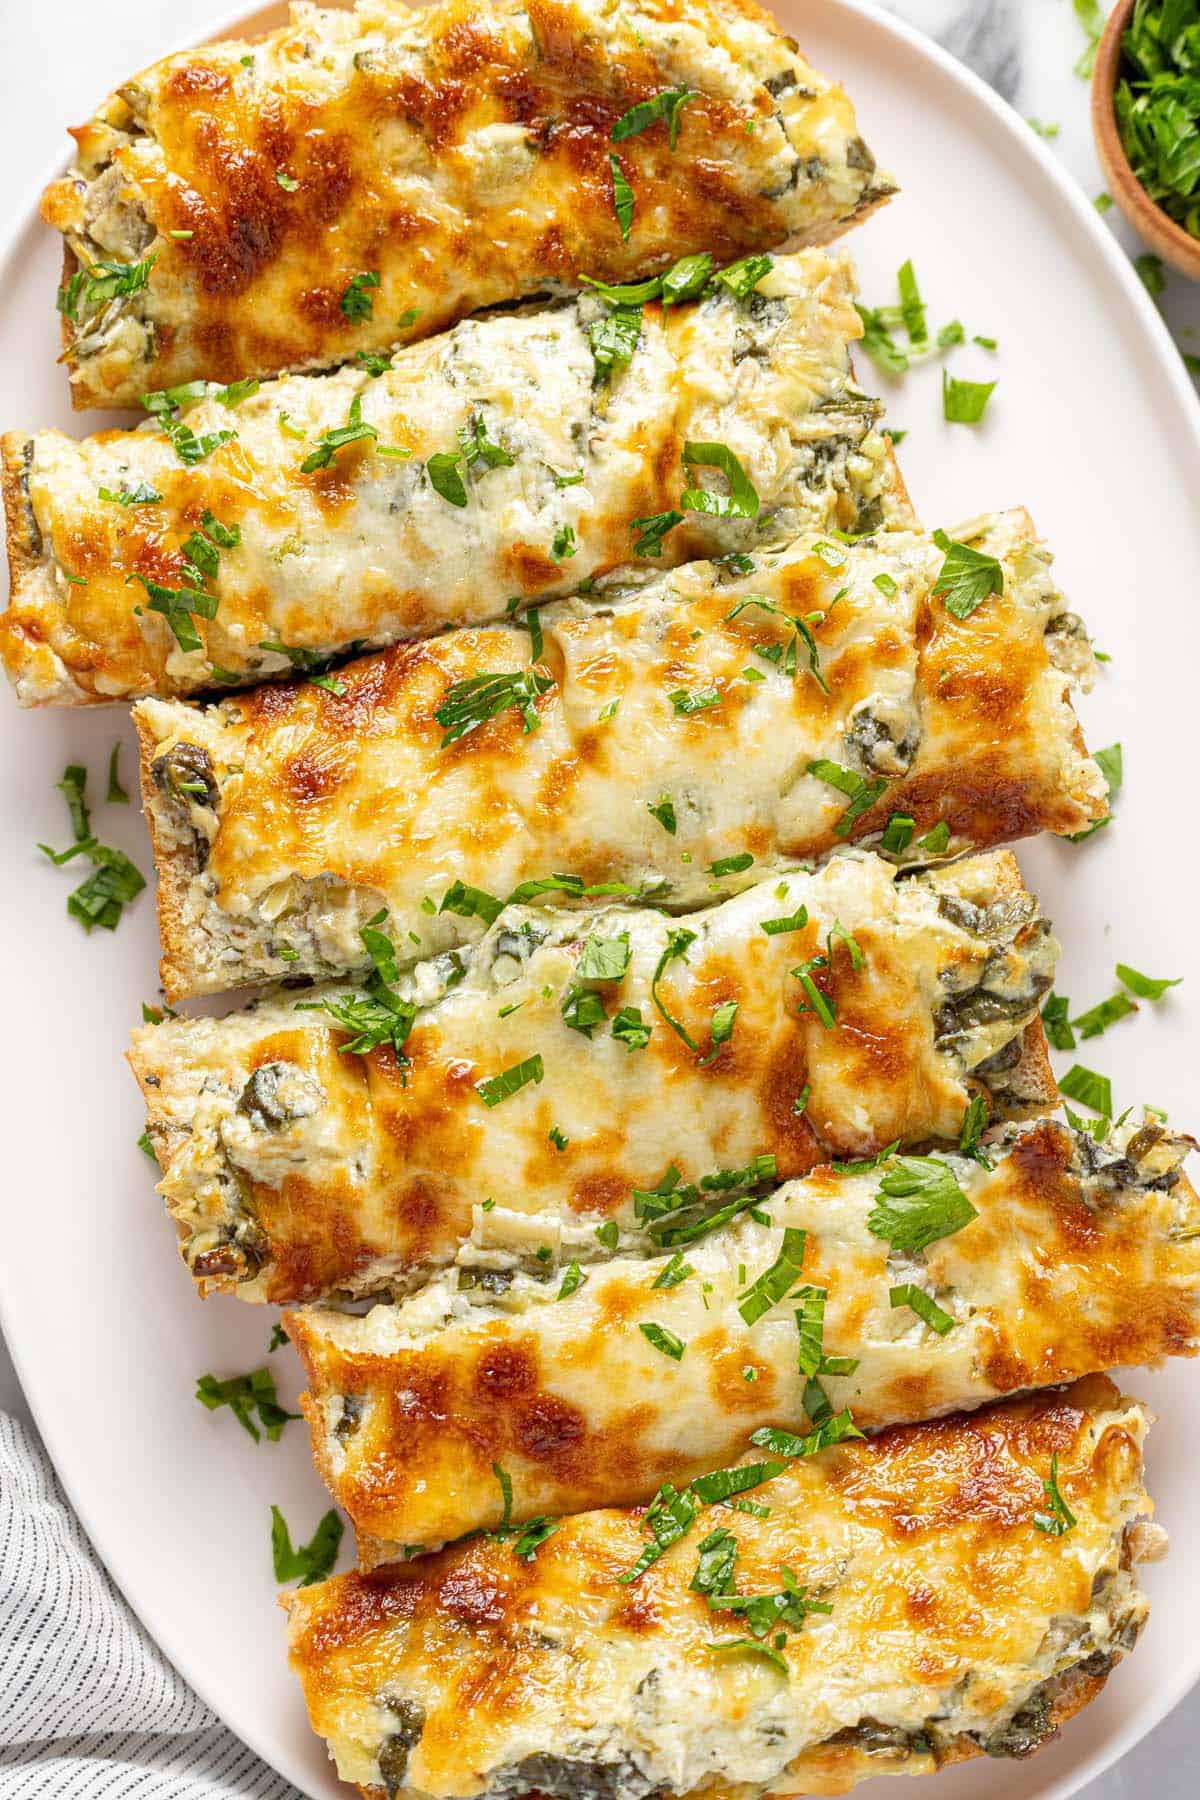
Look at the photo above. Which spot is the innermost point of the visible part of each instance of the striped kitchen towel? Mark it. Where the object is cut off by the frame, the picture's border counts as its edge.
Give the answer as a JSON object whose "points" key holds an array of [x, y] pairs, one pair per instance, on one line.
{"points": [[90, 1709]]}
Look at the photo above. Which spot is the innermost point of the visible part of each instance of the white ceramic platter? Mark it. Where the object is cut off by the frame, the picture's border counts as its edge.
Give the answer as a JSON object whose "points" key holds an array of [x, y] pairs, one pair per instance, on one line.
{"points": [[1096, 429]]}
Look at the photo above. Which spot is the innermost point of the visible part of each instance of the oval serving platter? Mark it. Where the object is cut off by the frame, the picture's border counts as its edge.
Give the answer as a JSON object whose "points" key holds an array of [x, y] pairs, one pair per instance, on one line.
{"points": [[1094, 426]]}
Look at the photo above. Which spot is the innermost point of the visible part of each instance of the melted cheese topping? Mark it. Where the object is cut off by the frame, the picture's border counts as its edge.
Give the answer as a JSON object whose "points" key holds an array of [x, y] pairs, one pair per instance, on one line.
{"points": [[950, 1614], [321, 808], [460, 152], [367, 1168], [367, 550], [1074, 1262]]}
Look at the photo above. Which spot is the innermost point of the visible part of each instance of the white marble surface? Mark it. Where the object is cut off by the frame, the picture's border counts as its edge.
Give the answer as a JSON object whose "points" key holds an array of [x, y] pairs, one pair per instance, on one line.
{"points": [[58, 56]]}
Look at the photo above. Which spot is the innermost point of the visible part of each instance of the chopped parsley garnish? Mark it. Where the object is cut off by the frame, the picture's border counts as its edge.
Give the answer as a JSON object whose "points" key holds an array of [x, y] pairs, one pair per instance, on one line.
{"points": [[141, 495], [661, 1208], [951, 334], [966, 578], [975, 1123], [785, 659], [356, 302], [114, 881], [471, 902], [147, 1148], [105, 280], [374, 362], [811, 1357], [775, 1283], [1057, 1023], [573, 1279], [330, 442], [604, 959], [1111, 764], [838, 1428], [664, 811], [1088, 1088], [919, 1201], [652, 528], [720, 1030], [630, 1029], [936, 841], [674, 1272], [279, 1338], [622, 196], [1060, 1519], [479, 446], [741, 502], [815, 999], [666, 106], [731, 865], [614, 338], [792, 922], [116, 796], [923, 1304], [685, 703], [897, 834], [532, 1536], [287, 182], [582, 1010], [716, 1558], [1146, 987], [564, 546], [312, 1561], [741, 278], [672, 1512], [510, 1081], [662, 1339], [964, 402], [608, 1234], [1156, 106], [1096, 1021], [677, 945], [246, 1395], [237, 391], [861, 793], [378, 1015], [469, 704]]}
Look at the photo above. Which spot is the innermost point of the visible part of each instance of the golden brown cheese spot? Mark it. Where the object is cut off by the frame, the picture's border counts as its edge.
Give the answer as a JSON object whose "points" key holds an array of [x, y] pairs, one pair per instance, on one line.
{"points": [[550, 1430], [599, 1194], [506, 1370]]}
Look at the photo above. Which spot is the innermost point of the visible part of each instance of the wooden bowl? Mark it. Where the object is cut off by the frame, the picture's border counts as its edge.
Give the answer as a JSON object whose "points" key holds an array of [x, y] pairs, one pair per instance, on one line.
{"points": [[1167, 239]]}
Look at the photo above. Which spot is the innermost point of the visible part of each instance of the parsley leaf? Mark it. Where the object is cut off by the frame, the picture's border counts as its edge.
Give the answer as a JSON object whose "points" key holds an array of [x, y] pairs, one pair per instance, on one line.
{"points": [[919, 1201], [662, 1339], [664, 811], [622, 196], [1146, 987], [510, 1081], [741, 502], [246, 1395], [141, 495], [356, 302], [861, 793], [629, 1028], [966, 578], [614, 338], [1060, 1519], [774, 1284], [652, 528], [666, 106], [741, 278], [1057, 1023], [838, 1428], [470, 703], [604, 959], [1111, 764], [677, 945], [923, 1304], [329, 442], [1088, 1088], [311, 1561], [964, 402], [116, 795]]}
